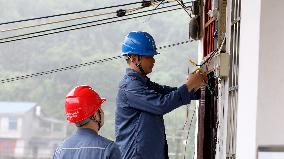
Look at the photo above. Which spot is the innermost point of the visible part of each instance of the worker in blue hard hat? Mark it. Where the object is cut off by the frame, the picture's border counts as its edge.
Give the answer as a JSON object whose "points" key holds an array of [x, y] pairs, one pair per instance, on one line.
{"points": [[141, 103]]}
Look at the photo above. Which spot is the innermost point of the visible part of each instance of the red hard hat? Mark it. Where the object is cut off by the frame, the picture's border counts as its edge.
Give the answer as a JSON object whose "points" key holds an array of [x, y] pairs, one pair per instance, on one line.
{"points": [[82, 102]]}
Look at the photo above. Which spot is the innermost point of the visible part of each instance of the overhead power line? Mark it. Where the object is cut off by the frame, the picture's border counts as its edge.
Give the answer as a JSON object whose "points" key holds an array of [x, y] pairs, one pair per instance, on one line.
{"points": [[37, 34], [188, 131], [181, 3], [55, 22], [118, 13], [8, 80], [63, 14]]}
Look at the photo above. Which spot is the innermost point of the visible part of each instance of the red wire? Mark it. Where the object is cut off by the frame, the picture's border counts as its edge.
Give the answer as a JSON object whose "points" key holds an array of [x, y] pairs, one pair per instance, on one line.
{"points": [[208, 44]]}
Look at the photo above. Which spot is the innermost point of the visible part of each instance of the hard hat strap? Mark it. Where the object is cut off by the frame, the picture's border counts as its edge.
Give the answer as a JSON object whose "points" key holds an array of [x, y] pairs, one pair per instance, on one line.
{"points": [[139, 65], [100, 121], [79, 124], [141, 69]]}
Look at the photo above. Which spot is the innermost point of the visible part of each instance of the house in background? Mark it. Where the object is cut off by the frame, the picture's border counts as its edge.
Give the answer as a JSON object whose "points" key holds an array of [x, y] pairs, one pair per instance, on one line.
{"points": [[26, 132]]}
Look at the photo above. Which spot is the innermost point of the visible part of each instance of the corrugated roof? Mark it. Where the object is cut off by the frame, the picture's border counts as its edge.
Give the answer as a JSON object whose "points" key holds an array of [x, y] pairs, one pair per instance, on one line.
{"points": [[15, 107]]}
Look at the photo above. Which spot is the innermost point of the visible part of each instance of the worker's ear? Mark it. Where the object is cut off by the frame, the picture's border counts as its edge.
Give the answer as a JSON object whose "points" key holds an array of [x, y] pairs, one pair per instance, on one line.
{"points": [[133, 58], [96, 115]]}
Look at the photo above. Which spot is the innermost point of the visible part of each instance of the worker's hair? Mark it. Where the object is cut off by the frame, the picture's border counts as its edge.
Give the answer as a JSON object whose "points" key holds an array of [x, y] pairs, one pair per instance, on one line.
{"points": [[128, 60]]}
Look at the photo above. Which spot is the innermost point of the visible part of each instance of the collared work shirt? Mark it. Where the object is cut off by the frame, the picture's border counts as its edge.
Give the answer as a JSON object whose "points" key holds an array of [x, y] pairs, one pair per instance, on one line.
{"points": [[139, 123], [87, 144]]}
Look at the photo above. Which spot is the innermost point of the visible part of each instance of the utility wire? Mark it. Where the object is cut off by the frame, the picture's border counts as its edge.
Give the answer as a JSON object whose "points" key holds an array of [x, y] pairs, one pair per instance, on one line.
{"points": [[183, 6], [17, 78], [212, 54], [70, 19], [215, 52], [58, 28], [77, 18], [79, 24], [63, 14], [193, 115], [39, 35], [143, 5], [55, 22]]}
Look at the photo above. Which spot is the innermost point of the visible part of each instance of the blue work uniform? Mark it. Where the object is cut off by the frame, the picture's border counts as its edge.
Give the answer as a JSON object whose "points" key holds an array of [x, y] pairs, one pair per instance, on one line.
{"points": [[139, 123], [87, 144]]}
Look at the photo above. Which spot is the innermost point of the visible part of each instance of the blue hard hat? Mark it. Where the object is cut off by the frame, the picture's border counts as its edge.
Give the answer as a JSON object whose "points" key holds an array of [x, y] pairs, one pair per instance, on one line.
{"points": [[139, 43]]}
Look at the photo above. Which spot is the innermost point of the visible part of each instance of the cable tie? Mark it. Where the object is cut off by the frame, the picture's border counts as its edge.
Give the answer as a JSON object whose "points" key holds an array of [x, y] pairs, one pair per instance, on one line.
{"points": [[146, 4], [120, 12]]}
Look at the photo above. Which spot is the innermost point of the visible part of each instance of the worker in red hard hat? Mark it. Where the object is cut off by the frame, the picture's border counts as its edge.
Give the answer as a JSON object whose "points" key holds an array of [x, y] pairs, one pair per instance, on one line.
{"points": [[83, 108]]}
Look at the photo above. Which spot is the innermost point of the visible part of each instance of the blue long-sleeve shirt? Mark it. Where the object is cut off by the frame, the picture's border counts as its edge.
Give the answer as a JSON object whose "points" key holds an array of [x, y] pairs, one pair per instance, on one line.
{"points": [[139, 123], [87, 144]]}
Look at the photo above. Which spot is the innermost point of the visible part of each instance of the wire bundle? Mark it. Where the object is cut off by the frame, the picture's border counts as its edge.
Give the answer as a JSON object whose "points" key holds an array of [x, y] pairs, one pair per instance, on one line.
{"points": [[110, 15]]}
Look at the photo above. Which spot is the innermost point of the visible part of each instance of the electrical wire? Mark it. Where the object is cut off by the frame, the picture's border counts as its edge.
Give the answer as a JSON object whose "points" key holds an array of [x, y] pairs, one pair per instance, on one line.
{"points": [[55, 22], [183, 6], [215, 52], [193, 115], [70, 19], [187, 114], [212, 54], [80, 24], [63, 14], [23, 35], [71, 67], [78, 18]]}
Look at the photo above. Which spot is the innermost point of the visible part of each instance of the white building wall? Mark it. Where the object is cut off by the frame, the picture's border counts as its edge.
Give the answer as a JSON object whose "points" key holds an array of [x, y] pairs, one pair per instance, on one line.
{"points": [[261, 79], [3, 124], [270, 113], [19, 149], [248, 79], [4, 128]]}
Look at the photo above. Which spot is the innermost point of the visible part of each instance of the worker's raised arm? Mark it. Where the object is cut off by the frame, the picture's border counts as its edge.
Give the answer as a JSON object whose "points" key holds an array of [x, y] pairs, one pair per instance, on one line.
{"points": [[140, 97], [160, 88]]}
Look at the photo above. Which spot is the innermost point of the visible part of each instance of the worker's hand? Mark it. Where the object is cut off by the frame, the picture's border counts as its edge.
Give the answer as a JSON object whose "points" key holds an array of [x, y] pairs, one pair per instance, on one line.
{"points": [[196, 79]]}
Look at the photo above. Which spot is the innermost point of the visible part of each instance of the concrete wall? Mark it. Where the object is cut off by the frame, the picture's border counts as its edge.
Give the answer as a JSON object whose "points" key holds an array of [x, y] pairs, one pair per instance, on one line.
{"points": [[248, 79], [270, 114], [261, 78]]}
